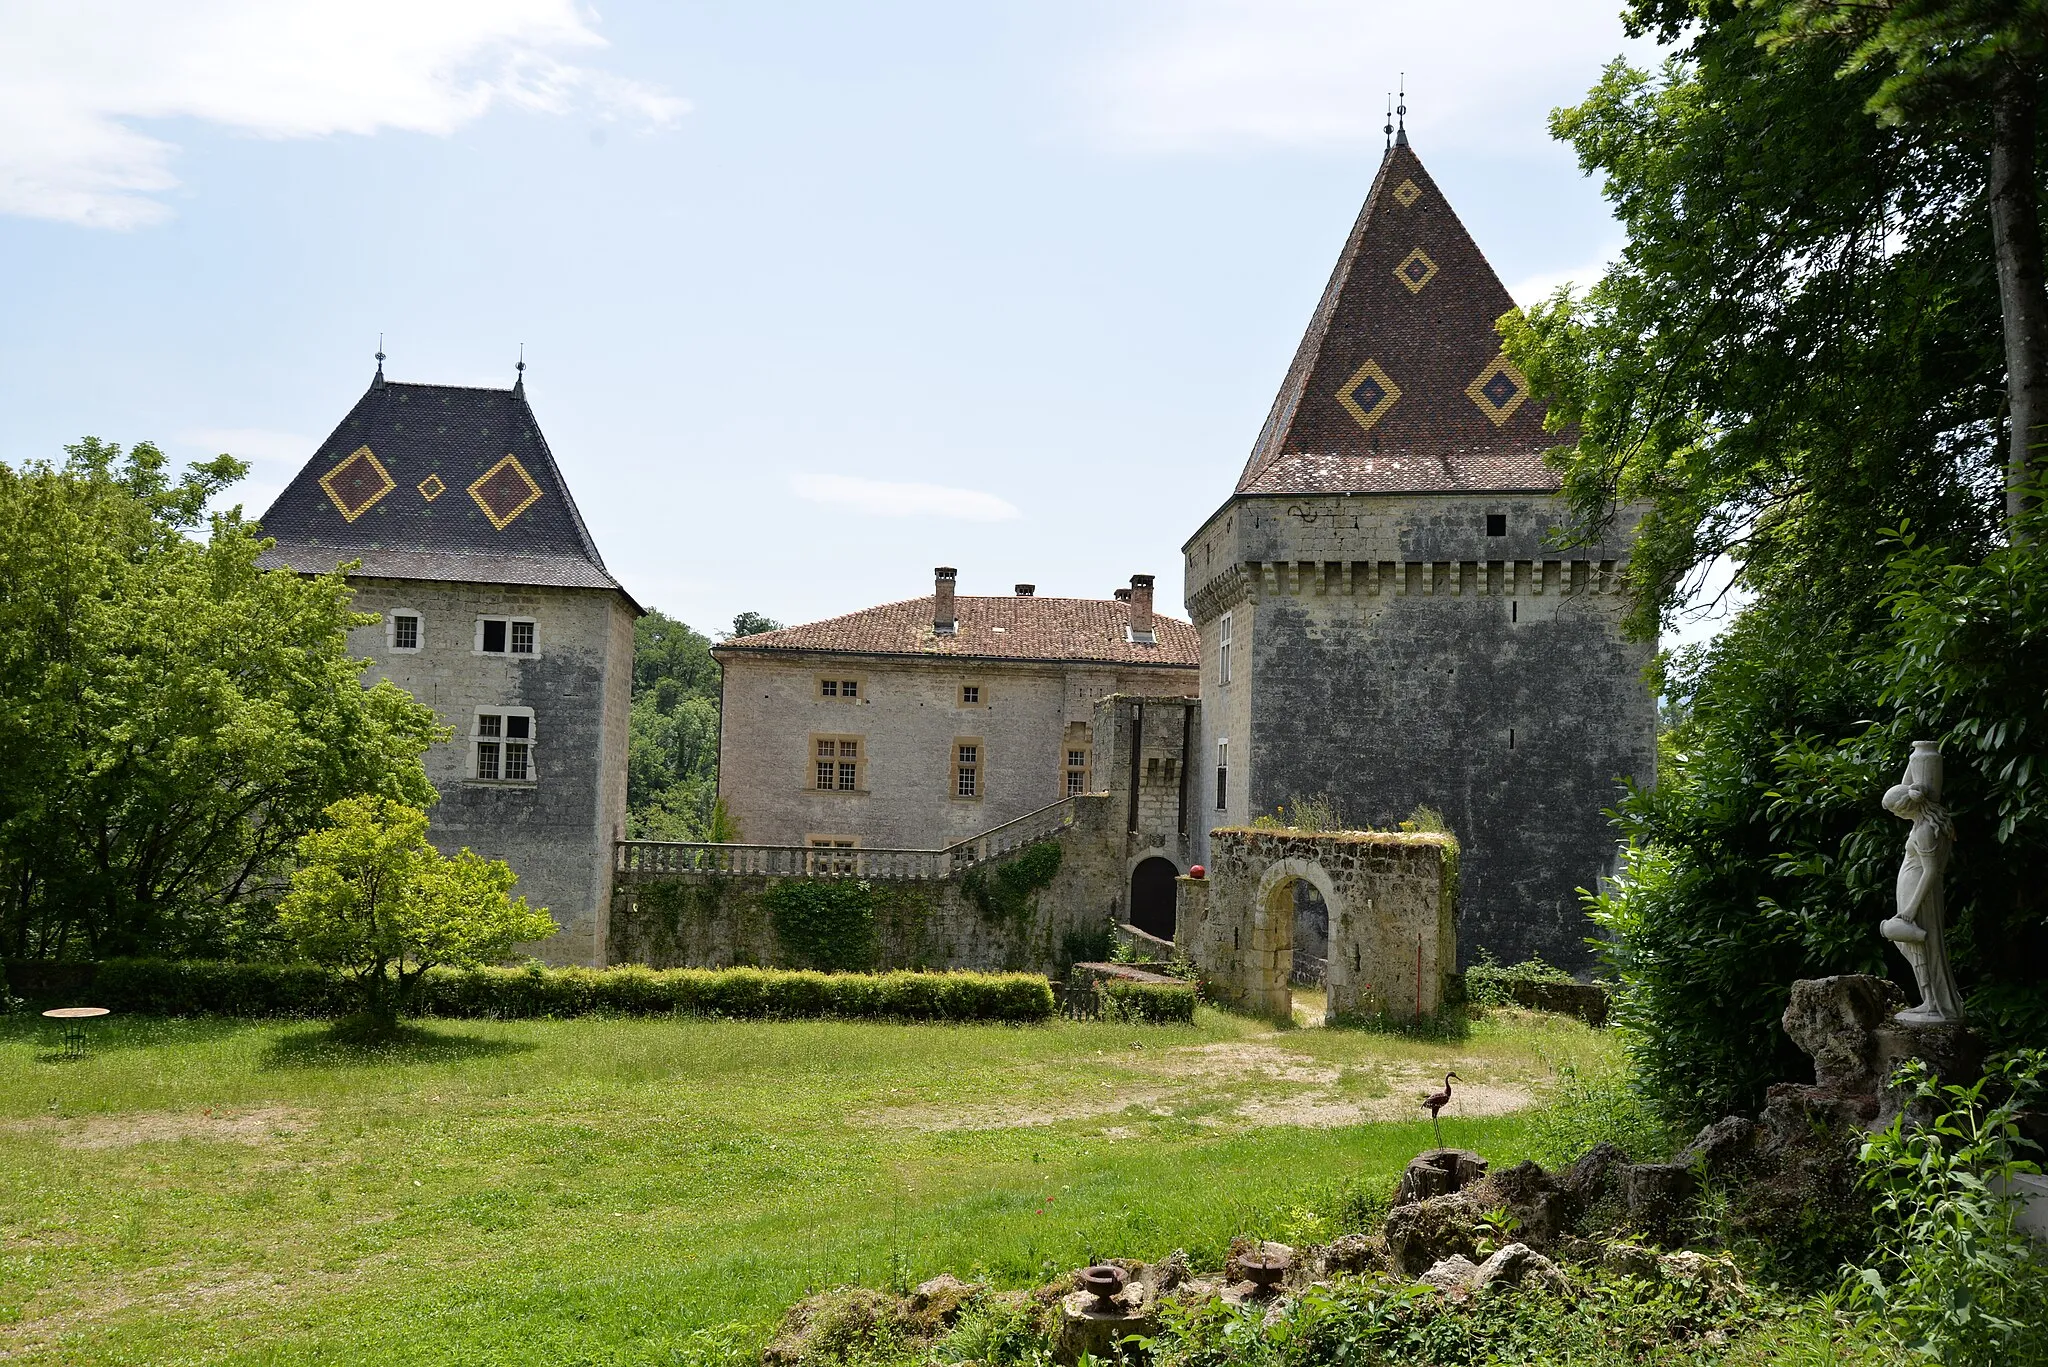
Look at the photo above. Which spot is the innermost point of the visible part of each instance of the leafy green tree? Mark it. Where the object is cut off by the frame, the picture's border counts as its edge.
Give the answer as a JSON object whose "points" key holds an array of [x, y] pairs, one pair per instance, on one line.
{"points": [[752, 624], [372, 896], [1799, 363], [172, 718], [672, 762]]}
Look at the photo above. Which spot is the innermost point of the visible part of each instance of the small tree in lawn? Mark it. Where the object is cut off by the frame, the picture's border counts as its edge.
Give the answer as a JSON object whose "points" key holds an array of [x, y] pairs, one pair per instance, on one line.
{"points": [[372, 896]]}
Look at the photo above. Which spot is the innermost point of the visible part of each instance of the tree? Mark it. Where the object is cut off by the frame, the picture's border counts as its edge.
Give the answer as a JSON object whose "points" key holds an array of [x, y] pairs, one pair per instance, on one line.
{"points": [[172, 718], [1798, 363], [1943, 63], [751, 624], [372, 896], [672, 763]]}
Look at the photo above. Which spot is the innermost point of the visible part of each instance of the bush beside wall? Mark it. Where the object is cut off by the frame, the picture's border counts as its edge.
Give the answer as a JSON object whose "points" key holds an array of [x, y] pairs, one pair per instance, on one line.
{"points": [[162, 987], [1147, 1003]]}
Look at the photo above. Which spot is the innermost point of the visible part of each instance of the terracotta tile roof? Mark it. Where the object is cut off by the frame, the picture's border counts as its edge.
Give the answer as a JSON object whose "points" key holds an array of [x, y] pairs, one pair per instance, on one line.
{"points": [[1399, 384], [1068, 630]]}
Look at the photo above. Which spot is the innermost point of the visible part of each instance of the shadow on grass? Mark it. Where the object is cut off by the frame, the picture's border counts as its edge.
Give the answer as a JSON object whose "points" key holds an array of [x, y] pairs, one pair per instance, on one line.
{"points": [[343, 1045]]}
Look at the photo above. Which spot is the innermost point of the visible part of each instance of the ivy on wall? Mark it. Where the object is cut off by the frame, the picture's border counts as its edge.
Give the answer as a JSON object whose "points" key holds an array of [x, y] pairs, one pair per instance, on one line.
{"points": [[1009, 892], [826, 923]]}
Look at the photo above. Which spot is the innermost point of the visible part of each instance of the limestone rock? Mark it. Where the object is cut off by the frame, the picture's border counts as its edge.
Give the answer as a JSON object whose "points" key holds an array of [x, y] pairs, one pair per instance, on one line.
{"points": [[1955, 1052], [1659, 1197], [1085, 1327], [1521, 1265], [935, 1304], [1439, 1172], [1834, 1019], [1541, 1207], [1424, 1233], [1632, 1260], [1452, 1275], [1167, 1275], [1721, 1145], [1714, 1275], [826, 1325], [1350, 1253]]}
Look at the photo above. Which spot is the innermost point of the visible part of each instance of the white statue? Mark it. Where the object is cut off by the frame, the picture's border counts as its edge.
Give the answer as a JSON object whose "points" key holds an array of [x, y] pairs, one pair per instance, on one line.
{"points": [[1916, 929]]}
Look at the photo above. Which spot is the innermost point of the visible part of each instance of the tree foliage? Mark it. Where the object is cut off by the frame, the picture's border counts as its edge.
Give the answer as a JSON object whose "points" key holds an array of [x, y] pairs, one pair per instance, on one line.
{"points": [[172, 718], [1797, 364], [672, 767], [372, 896]]}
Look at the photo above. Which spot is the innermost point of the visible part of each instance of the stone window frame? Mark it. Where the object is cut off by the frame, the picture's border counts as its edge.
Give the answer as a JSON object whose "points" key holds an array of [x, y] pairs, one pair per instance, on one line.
{"points": [[419, 630], [1222, 773], [500, 738], [839, 687], [813, 758], [967, 768], [971, 695], [1223, 649], [1075, 771], [511, 623]]}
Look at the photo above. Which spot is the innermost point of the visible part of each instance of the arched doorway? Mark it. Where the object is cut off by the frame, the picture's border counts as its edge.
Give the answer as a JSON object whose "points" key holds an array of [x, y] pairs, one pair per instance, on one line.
{"points": [[1152, 896]]}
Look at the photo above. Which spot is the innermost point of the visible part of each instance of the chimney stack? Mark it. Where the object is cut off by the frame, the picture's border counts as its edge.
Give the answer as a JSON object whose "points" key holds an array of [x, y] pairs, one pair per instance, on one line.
{"points": [[1141, 610], [943, 619], [1027, 590], [1123, 595]]}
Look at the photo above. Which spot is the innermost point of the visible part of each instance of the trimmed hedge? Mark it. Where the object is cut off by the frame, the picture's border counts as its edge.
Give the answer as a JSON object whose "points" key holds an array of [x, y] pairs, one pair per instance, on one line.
{"points": [[1147, 1003], [184, 987]]}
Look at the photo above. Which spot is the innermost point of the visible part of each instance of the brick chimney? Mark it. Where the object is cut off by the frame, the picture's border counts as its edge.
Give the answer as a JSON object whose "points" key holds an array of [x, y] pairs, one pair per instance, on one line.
{"points": [[943, 619], [1141, 610], [1026, 590]]}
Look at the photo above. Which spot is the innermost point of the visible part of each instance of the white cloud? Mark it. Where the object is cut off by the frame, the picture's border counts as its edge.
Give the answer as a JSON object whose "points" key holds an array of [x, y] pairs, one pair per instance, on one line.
{"points": [[880, 498], [1536, 288], [1195, 74], [76, 76]]}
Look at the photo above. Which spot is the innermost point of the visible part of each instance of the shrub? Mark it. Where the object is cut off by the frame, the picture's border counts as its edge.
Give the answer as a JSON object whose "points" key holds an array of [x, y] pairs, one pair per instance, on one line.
{"points": [[1580, 1108], [1957, 1282], [1147, 1003], [826, 923], [1491, 982], [161, 987]]}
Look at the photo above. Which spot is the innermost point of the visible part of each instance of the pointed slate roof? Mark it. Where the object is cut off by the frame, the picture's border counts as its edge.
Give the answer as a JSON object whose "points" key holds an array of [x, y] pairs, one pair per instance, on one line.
{"points": [[435, 481], [1399, 385]]}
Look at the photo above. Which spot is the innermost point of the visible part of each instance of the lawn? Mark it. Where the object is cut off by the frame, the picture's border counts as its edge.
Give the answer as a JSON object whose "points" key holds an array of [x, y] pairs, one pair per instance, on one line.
{"points": [[657, 1191]]}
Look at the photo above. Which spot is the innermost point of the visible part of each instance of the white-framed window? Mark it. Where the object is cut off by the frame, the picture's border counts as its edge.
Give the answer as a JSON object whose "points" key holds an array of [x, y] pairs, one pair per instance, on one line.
{"points": [[1077, 771], [1223, 649], [840, 688], [502, 746], [404, 629], [1222, 773], [836, 763], [967, 766], [507, 636]]}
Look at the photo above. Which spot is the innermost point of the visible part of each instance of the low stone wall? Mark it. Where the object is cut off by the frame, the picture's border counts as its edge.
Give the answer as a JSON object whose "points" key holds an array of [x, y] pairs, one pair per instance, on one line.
{"points": [[719, 920], [1392, 907]]}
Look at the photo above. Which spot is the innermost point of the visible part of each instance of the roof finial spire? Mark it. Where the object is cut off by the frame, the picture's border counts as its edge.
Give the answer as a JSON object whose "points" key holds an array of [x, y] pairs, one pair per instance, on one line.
{"points": [[1401, 112], [519, 385], [378, 382], [1390, 118]]}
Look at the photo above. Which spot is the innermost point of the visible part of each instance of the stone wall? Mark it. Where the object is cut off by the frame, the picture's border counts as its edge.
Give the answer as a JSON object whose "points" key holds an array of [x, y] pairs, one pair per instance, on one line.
{"points": [[556, 832], [710, 920], [1392, 918], [907, 717], [1390, 652], [1140, 761]]}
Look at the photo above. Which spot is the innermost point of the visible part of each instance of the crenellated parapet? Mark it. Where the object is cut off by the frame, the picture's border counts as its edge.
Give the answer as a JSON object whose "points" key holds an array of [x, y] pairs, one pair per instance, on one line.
{"points": [[1256, 580]]}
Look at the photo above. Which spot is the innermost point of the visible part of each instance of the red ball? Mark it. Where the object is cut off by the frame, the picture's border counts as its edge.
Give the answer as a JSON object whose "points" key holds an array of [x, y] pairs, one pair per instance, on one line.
{"points": [[1198, 872]]}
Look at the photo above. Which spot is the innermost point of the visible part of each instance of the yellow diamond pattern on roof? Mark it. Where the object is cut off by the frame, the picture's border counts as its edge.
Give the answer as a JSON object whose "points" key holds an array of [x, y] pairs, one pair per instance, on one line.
{"points": [[1415, 270], [1407, 192], [432, 488], [504, 492], [355, 485], [1368, 394], [1498, 390]]}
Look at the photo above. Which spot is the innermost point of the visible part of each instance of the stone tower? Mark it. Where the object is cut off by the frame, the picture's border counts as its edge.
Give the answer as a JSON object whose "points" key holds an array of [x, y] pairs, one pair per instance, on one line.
{"points": [[1383, 615], [496, 610]]}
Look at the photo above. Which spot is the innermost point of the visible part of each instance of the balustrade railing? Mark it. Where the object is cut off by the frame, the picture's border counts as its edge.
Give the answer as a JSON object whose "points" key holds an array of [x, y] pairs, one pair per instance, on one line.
{"points": [[639, 859]]}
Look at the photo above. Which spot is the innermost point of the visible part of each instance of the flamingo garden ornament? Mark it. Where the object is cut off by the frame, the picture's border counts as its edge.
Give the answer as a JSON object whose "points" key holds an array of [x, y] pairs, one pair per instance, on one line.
{"points": [[1436, 1101]]}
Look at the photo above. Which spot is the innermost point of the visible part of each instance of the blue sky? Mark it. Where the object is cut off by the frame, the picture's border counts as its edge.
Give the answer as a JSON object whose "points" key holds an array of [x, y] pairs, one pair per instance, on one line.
{"points": [[814, 296]]}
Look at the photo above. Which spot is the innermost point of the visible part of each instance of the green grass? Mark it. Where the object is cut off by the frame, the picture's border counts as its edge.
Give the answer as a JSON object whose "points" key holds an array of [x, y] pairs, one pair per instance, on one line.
{"points": [[656, 1191]]}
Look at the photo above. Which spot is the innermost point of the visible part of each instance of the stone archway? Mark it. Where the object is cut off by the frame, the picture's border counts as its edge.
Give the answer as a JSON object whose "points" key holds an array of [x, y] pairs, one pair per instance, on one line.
{"points": [[1152, 896], [1392, 926]]}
